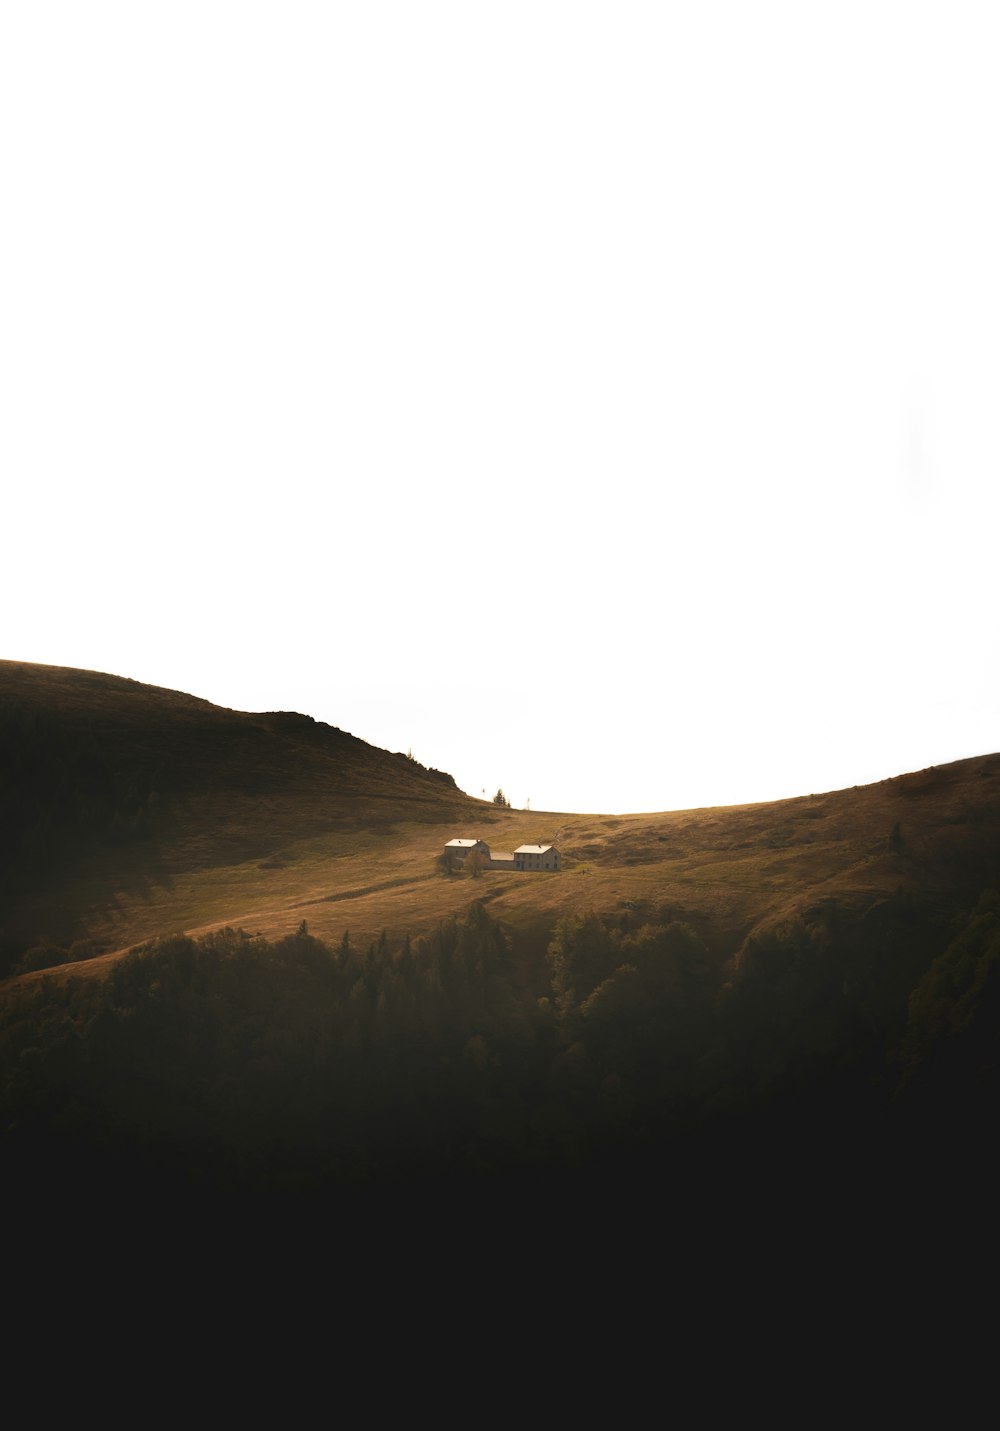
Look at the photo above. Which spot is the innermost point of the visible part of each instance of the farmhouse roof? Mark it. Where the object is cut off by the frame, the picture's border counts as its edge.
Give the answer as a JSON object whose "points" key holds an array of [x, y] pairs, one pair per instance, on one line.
{"points": [[532, 849], [462, 844]]}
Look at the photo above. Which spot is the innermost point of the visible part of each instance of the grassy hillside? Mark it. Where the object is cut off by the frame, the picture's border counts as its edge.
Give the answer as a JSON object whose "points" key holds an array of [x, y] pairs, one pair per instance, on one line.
{"points": [[132, 811], [321, 1004], [128, 809]]}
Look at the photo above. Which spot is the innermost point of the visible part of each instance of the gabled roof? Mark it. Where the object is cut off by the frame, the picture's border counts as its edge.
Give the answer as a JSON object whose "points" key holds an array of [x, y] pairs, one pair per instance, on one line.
{"points": [[462, 844], [533, 849]]}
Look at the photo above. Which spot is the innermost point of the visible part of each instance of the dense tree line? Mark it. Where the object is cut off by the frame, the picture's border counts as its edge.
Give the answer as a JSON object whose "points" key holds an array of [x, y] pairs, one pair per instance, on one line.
{"points": [[234, 1061]]}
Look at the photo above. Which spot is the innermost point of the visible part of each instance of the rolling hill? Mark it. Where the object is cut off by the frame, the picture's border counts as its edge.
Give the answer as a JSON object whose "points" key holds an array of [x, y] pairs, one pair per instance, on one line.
{"points": [[730, 975], [129, 809]]}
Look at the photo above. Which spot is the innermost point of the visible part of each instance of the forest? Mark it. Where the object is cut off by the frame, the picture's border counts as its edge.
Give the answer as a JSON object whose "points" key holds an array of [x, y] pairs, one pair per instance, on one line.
{"points": [[231, 1061]]}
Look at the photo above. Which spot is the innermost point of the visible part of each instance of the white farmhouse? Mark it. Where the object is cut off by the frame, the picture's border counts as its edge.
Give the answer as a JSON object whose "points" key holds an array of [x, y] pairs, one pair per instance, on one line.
{"points": [[458, 851], [536, 857]]}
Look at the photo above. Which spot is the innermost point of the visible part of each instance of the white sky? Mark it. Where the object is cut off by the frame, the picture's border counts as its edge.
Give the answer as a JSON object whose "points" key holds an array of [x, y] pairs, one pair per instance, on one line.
{"points": [[599, 398]]}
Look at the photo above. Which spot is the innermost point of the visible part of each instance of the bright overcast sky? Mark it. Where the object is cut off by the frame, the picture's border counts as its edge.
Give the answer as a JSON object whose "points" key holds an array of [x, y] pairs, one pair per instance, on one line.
{"points": [[599, 399]]}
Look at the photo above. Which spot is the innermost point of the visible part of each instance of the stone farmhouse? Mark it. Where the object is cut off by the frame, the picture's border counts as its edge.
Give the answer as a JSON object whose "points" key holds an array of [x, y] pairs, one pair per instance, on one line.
{"points": [[459, 850], [536, 857]]}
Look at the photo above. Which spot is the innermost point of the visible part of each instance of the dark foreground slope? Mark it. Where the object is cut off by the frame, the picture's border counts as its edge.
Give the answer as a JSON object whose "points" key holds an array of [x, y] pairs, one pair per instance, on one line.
{"points": [[824, 1065]]}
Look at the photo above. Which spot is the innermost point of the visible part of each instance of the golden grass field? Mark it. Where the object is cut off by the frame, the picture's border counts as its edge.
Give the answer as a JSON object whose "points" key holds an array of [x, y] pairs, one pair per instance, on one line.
{"points": [[263, 821]]}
